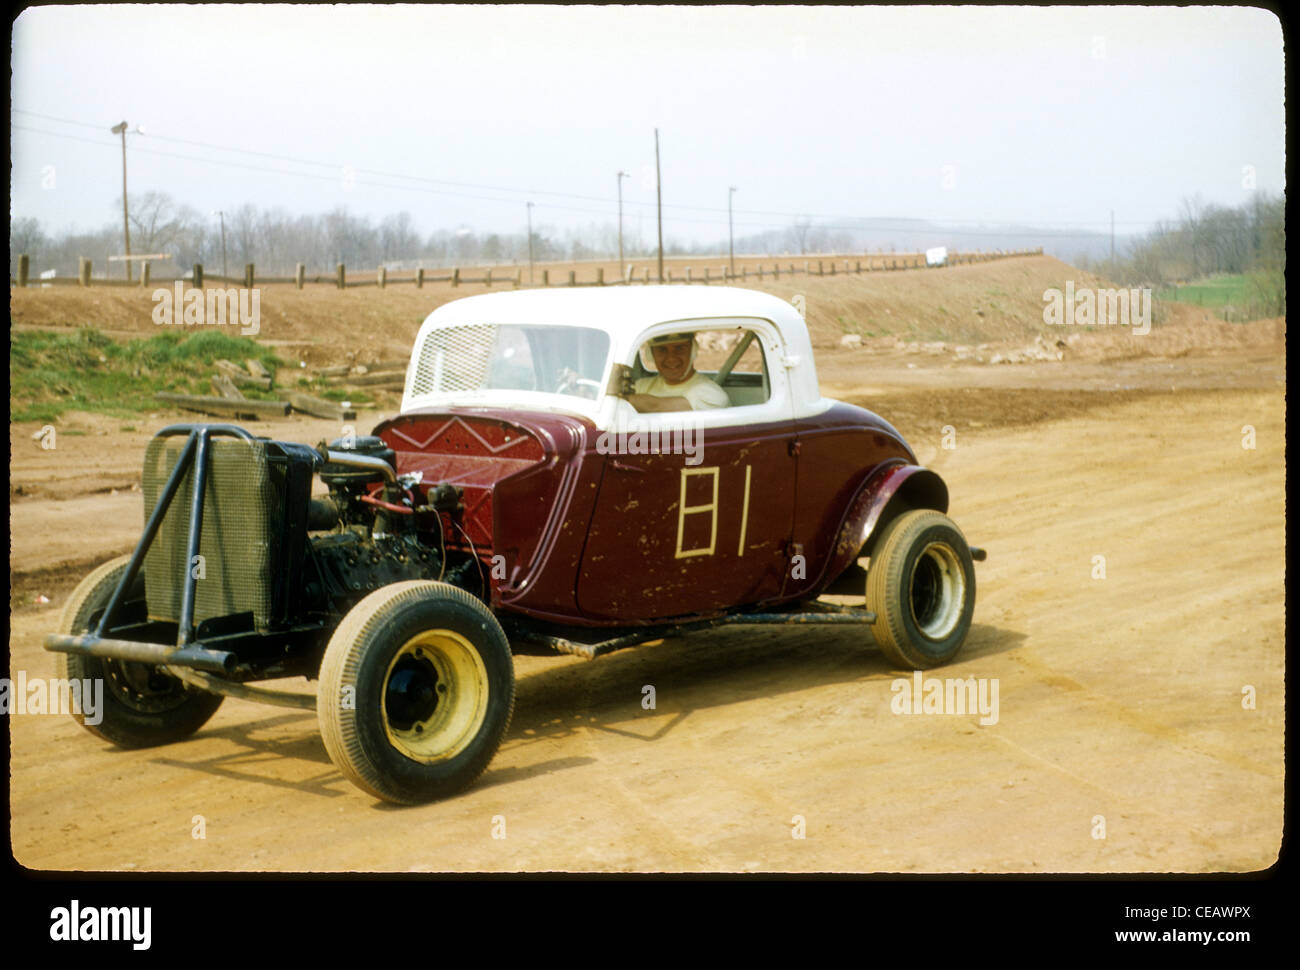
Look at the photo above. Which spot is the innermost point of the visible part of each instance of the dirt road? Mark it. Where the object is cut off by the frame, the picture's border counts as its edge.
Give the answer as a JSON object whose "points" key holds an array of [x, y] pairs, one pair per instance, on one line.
{"points": [[1139, 723]]}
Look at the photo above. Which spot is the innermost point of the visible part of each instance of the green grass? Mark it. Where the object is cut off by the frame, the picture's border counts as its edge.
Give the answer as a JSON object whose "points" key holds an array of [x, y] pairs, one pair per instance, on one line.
{"points": [[1236, 297], [354, 395], [84, 370], [1216, 291]]}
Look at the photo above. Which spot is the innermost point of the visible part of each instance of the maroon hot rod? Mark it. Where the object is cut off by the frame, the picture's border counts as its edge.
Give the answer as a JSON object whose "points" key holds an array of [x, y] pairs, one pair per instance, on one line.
{"points": [[553, 481]]}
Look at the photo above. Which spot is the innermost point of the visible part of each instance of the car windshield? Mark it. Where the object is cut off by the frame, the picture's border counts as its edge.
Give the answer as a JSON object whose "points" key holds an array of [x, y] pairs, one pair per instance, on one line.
{"points": [[512, 357]]}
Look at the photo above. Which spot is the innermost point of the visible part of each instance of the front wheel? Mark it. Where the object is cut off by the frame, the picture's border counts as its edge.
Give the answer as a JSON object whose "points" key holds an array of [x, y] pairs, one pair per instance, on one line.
{"points": [[416, 691], [921, 586], [140, 705]]}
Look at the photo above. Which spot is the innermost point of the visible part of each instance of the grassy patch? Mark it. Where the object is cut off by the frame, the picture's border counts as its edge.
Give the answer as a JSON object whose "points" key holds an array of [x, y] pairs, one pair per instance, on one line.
{"points": [[1235, 297], [354, 395], [1216, 291], [51, 373]]}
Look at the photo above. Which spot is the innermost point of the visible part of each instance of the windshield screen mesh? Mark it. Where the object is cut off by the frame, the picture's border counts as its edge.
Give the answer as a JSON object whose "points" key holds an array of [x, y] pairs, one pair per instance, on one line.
{"points": [[482, 357]]}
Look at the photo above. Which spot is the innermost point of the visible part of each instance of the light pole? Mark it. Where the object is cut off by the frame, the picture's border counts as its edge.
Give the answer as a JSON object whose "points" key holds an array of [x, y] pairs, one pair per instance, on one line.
{"points": [[222, 215], [621, 269], [731, 234], [530, 242], [659, 207], [120, 129]]}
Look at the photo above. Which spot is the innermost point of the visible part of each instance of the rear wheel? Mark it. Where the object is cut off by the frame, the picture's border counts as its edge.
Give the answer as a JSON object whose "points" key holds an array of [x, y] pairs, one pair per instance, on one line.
{"points": [[416, 691], [921, 586], [142, 705]]}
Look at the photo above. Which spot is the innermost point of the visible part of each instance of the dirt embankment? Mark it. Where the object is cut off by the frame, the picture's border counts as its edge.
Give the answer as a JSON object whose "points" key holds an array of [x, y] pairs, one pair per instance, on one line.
{"points": [[997, 303]]}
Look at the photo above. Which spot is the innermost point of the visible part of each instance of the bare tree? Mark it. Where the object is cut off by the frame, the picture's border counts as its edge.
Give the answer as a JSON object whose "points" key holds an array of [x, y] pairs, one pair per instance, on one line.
{"points": [[25, 237], [397, 238], [156, 223], [799, 234]]}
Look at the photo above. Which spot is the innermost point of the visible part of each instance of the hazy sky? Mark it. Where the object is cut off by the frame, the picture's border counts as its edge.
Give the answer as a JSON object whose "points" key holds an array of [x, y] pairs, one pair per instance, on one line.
{"points": [[460, 115]]}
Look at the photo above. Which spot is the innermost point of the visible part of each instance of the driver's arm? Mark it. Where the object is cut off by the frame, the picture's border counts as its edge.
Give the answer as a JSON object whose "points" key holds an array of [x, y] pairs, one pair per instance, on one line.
{"points": [[648, 403]]}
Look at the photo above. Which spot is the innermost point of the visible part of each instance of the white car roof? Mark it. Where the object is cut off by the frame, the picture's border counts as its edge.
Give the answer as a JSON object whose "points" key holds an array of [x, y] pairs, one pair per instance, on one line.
{"points": [[620, 310], [625, 312]]}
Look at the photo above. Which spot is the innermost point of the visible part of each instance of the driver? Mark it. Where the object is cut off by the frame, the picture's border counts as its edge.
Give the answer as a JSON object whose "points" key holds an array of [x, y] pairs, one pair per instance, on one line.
{"points": [[677, 386]]}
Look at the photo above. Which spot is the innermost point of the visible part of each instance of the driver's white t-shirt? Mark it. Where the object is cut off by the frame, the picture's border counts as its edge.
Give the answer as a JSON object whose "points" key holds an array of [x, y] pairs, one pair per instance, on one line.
{"points": [[701, 392]]}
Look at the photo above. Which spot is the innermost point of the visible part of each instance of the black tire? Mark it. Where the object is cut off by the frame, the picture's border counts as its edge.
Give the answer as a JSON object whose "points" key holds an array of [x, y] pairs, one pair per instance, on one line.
{"points": [[416, 691], [921, 586], [143, 705]]}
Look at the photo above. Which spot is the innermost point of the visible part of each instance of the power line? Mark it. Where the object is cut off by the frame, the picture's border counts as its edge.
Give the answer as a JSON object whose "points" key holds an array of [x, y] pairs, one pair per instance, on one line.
{"points": [[876, 224], [530, 192]]}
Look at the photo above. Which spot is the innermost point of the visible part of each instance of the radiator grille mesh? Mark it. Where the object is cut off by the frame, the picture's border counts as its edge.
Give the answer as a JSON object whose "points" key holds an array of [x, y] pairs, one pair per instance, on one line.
{"points": [[242, 508]]}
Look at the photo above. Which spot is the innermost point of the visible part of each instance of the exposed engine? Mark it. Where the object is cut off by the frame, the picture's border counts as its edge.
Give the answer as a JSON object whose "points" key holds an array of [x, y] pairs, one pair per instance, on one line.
{"points": [[377, 528]]}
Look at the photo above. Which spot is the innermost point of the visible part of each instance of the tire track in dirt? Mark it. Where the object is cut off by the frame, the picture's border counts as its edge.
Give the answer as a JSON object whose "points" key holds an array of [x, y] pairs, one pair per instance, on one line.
{"points": [[1123, 712]]}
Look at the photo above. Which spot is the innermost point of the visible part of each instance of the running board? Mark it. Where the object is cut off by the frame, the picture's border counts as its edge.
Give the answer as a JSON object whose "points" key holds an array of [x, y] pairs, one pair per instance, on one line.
{"points": [[826, 614]]}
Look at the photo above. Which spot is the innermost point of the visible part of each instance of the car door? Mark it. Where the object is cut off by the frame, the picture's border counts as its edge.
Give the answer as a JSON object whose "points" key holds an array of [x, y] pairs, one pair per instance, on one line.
{"points": [[695, 515]]}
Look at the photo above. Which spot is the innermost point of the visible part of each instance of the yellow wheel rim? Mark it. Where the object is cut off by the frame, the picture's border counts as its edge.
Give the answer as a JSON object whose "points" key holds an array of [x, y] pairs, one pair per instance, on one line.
{"points": [[435, 696]]}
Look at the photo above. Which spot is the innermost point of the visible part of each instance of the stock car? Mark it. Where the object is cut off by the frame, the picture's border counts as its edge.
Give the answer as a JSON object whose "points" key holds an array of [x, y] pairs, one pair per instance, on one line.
{"points": [[518, 502]]}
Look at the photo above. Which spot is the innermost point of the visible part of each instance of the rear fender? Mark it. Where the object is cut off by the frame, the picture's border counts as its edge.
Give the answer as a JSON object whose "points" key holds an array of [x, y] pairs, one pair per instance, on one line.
{"points": [[887, 493]]}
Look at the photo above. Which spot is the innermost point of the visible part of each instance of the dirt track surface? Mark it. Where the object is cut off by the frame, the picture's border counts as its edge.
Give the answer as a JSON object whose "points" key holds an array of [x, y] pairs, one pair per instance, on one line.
{"points": [[1120, 699]]}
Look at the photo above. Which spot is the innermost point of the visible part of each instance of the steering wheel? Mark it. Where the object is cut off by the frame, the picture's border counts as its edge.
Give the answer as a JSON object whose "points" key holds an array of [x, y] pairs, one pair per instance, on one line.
{"points": [[571, 383]]}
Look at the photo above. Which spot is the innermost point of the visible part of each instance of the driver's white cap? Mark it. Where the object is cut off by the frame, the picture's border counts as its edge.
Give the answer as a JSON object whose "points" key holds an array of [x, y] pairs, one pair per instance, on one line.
{"points": [[670, 338]]}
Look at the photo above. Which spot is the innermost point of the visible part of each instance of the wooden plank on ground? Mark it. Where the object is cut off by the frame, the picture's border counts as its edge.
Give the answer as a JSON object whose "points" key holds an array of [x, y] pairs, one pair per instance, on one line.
{"points": [[319, 407], [224, 387], [240, 377], [369, 380], [224, 407]]}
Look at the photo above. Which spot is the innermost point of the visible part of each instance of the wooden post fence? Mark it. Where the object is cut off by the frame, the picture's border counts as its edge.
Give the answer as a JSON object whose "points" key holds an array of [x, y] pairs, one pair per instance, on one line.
{"points": [[629, 272]]}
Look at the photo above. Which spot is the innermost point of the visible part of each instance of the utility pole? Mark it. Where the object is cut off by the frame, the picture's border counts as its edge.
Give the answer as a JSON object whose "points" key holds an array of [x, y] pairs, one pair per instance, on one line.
{"points": [[1112, 241], [222, 215], [658, 195], [731, 235], [120, 129], [621, 175], [530, 242]]}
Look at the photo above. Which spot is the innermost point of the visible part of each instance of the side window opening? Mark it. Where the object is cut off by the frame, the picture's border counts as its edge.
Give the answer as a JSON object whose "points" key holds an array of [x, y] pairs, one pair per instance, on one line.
{"points": [[732, 357]]}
